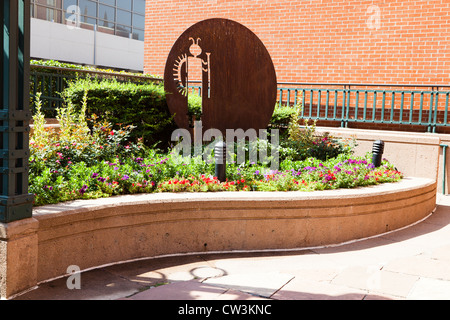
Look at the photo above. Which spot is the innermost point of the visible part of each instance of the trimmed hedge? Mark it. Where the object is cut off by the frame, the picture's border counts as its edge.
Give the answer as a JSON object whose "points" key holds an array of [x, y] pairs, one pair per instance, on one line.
{"points": [[141, 105], [73, 69]]}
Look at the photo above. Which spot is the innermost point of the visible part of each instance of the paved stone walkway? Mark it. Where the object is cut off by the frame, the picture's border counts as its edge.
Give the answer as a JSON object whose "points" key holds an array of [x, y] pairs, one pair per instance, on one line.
{"points": [[413, 263]]}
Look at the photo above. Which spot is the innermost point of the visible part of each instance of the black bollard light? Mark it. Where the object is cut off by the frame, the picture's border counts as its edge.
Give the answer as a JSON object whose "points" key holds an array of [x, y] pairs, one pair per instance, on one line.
{"points": [[220, 155], [378, 150]]}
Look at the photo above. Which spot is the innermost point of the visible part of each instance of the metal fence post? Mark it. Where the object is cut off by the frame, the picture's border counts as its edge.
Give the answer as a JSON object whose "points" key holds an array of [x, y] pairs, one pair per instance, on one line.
{"points": [[15, 201], [444, 166]]}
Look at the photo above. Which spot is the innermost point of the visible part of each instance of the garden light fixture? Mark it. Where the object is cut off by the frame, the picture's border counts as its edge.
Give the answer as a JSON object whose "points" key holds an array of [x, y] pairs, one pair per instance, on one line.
{"points": [[220, 155], [378, 149]]}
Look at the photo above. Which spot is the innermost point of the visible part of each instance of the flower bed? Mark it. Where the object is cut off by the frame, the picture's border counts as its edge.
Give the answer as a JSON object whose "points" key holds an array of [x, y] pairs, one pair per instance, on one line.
{"points": [[94, 160], [164, 173]]}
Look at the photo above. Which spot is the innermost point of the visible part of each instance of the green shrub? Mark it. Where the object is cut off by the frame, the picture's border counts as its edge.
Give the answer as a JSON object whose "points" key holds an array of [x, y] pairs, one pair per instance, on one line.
{"points": [[282, 115], [195, 106], [304, 142], [76, 67], [125, 104]]}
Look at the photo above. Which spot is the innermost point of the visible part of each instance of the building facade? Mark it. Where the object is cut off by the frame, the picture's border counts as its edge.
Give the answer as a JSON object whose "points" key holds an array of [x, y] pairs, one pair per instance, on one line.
{"points": [[387, 42], [106, 33]]}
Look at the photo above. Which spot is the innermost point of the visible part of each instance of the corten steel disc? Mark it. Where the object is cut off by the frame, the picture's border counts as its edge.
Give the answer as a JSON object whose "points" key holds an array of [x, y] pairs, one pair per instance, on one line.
{"points": [[238, 78]]}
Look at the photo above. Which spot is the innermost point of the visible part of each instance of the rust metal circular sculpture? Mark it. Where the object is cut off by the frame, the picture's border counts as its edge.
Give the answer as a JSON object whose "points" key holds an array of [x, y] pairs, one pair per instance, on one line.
{"points": [[234, 70]]}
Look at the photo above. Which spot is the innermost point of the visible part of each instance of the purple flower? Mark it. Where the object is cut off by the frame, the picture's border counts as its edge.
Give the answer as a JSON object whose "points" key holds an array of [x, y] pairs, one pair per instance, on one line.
{"points": [[125, 177], [83, 190], [257, 172], [95, 175]]}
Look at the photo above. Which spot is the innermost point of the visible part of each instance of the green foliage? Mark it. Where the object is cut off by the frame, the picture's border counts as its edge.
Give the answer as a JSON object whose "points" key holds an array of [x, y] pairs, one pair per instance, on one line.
{"points": [[89, 159], [142, 106], [304, 142], [156, 172], [53, 77], [195, 106], [104, 154], [61, 161], [77, 67], [282, 116]]}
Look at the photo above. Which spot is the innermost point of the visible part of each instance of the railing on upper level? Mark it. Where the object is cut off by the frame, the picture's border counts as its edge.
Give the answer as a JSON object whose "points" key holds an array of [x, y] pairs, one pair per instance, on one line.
{"points": [[414, 105], [425, 106]]}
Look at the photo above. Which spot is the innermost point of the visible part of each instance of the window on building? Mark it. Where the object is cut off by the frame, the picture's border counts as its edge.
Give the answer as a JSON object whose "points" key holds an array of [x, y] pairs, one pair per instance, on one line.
{"points": [[125, 18], [49, 10]]}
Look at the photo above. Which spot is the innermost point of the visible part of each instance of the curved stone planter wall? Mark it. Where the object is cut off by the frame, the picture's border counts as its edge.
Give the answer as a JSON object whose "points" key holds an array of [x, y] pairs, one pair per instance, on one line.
{"points": [[98, 232]]}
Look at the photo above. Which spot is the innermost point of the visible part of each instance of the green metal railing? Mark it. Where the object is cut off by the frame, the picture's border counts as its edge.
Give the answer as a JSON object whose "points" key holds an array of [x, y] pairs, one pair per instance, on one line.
{"points": [[50, 85], [444, 166], [426, 106], [416, 105]]}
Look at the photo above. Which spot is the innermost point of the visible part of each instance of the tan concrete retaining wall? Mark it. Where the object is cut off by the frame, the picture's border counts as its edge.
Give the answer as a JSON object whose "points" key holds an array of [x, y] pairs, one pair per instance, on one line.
{"points": [[98, 232]]}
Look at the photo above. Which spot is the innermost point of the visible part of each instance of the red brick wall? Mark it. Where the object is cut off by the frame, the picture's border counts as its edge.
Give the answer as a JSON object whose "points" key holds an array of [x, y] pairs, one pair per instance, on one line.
{"points": [[323, 41]]}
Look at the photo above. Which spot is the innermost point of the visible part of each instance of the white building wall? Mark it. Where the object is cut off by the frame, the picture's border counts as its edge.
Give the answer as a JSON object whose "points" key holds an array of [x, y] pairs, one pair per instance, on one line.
{"points": [[65, 43]]}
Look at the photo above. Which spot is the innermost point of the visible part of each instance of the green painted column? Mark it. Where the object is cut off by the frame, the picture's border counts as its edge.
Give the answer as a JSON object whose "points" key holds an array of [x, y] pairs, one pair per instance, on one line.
{"points": [[15, 201]]}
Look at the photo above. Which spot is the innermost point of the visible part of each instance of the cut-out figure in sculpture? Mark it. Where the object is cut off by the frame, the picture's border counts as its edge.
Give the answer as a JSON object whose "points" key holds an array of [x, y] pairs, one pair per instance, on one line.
{"points": [[189, 65]]}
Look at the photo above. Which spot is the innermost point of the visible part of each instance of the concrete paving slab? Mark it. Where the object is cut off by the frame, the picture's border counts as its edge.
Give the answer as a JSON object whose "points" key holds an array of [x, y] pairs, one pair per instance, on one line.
{"points": [[366, 252], [238, 295], [378, 281], [423, 236], [318, 274], [269, 262], [95, 285], [155, 271], [261, 284], [421, 266], [299, 289], [430, 289], [377, 296], [441, 253], [184, 290]]}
